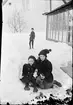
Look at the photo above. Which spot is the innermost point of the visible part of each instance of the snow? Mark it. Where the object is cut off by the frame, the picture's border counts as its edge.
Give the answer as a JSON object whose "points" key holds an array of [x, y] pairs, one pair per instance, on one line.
{"points": [[15, 52]]}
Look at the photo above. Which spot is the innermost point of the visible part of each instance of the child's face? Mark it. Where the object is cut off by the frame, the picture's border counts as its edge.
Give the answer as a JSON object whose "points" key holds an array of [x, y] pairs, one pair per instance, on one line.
{"points": [[31, 61], [42, 57]]}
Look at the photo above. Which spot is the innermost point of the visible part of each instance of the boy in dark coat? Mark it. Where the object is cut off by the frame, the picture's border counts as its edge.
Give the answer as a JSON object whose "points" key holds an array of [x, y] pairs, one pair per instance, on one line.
{"points": [[31, 39], [28, 74], [45, 78]]}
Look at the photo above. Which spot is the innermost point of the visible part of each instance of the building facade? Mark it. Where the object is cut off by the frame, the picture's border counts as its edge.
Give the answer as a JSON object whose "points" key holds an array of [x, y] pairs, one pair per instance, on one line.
{"points": [[59, 24]]}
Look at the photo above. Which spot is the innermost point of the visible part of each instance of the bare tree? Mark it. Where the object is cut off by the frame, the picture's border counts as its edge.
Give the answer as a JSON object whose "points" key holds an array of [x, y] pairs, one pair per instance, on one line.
{"points": [[16, 22]]}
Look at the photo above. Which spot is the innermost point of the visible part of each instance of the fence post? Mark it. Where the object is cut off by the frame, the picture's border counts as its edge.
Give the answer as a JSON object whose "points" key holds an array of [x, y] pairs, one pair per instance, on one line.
{"points": [[67, 26], [62, 26], [52, 26], [58, 27], [47, 27], [55, 27]]}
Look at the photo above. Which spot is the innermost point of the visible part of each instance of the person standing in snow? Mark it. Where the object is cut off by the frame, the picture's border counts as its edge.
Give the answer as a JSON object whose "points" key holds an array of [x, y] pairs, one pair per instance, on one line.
{"points": [[31, 39], [28, 74]]}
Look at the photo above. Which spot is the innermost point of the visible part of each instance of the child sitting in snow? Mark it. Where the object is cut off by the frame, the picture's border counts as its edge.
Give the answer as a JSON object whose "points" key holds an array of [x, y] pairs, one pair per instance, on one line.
{"points": [[28, 74], [45, 77]]}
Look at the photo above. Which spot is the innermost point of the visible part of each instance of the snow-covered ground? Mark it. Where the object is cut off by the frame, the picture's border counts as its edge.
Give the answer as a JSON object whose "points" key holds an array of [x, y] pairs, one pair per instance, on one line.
{"points": [[15, 52]]}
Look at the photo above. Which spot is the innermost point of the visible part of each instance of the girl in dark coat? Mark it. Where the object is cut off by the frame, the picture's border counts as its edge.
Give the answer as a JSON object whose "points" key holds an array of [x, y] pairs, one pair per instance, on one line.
{"points": [[28, 74], [45, 77], [44, 66]]}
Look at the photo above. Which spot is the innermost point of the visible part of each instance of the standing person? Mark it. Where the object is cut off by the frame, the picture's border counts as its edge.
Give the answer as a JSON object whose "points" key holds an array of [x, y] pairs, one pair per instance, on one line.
{"points": [[28, 74], [31, 39], [45, 78]]}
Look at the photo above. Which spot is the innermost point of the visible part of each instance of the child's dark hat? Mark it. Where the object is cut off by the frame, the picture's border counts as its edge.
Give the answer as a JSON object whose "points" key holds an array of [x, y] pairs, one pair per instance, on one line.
{"points": [[32, 28], [44, 52], [32, 57]]}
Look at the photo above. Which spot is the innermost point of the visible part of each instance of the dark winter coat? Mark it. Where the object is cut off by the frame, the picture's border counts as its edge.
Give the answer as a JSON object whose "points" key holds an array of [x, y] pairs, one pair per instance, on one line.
{"points": [[45, 68], [28, 70], [32, 35], [27, 74]]}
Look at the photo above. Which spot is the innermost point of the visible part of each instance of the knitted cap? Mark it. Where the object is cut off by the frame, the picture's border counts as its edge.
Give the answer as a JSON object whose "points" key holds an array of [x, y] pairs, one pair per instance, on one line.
{"points": [[45, 52]]}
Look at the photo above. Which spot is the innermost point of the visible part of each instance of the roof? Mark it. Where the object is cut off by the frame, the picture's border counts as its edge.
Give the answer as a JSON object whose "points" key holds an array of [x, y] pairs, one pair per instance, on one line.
{"points": [[61, 9]]}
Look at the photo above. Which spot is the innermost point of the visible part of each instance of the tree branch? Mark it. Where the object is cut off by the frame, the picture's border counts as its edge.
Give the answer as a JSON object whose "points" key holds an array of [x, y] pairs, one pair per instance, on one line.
{"points": [[16, 22]]}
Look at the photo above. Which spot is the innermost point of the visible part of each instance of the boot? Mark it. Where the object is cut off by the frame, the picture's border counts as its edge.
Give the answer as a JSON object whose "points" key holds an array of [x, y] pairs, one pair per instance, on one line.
{"points": [[35, 89], [26, 87], [57, 83], [32, 47], [29, 47]]}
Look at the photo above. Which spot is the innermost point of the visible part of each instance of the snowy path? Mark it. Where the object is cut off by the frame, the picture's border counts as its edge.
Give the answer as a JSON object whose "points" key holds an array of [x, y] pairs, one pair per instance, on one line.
{"points": [[15, 52]]}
